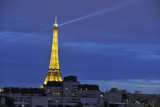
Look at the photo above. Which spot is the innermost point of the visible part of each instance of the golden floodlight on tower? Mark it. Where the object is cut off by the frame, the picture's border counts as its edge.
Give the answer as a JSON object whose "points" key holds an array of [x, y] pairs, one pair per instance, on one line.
{"points": [[54, 73]]}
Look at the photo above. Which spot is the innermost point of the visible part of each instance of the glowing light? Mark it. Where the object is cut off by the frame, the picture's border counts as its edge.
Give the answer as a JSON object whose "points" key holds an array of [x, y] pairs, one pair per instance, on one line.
{"points": [[54, 73], [99, 12], [1, 90], [101, 96], [54, 61]]}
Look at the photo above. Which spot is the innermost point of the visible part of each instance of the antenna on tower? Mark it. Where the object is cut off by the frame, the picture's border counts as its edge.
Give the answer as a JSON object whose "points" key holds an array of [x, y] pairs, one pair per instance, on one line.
{"points": [[55, 19]]}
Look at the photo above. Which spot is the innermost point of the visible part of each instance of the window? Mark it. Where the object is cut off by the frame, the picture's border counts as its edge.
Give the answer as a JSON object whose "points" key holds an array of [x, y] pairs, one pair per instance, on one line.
{"points": [[101, 96], [49, 98], [1, 90], [57, 93]]}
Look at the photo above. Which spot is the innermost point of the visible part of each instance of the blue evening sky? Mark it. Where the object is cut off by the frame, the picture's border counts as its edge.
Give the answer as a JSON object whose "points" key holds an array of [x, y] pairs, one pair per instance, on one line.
{"points": [[115, 44]]}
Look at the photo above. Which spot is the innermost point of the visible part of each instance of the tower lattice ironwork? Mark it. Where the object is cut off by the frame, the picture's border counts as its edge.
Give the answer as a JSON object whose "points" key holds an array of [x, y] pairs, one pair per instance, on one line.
{"points": [[54, 73]]}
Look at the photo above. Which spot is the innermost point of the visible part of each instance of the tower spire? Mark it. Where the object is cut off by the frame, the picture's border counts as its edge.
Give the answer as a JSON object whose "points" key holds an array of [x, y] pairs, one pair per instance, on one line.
{"points": [[55, 19], [54, 73]]}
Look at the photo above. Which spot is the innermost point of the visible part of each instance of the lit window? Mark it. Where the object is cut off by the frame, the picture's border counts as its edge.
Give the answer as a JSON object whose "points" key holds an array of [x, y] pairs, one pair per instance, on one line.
{"points": [[85, 88], [1, 90], [49, 98], [57, 93], [101, 96]]}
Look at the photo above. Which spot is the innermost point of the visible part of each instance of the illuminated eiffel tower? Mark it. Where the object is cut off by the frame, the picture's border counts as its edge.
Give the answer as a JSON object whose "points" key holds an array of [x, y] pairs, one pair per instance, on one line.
{"points": [[54, 73]]}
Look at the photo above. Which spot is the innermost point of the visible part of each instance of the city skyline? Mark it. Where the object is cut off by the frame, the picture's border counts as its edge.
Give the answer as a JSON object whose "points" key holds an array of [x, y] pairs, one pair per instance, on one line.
{"points": [[116, 49]]}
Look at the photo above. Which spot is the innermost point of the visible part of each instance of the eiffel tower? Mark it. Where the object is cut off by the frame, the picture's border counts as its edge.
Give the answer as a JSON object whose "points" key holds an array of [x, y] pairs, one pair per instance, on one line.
{"points": [[54, 73]]}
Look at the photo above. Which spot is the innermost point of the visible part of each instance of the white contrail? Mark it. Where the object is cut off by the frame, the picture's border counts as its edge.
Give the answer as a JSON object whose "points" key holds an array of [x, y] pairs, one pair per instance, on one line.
{"points": [[94, 14], [99, 12], [43, 30]]}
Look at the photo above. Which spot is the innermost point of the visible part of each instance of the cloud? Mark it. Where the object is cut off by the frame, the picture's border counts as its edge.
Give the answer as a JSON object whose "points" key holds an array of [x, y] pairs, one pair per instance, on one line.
{"points": [[140, 51], [141, 85], [144, 85], [15, 36]]}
